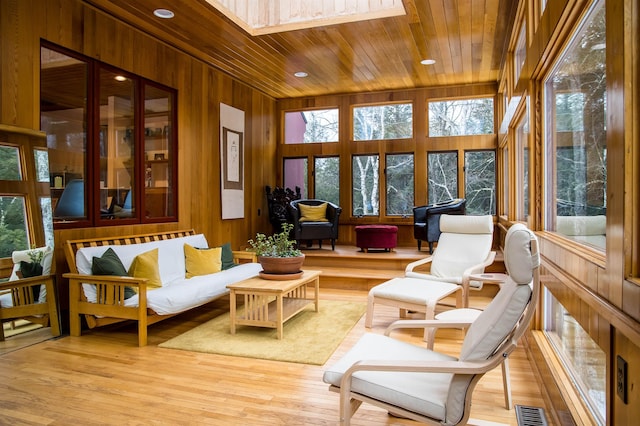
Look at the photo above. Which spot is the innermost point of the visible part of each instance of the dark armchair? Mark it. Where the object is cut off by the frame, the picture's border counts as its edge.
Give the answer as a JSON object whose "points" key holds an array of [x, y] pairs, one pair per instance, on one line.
{"points": [[311, 222], [426, 220]]}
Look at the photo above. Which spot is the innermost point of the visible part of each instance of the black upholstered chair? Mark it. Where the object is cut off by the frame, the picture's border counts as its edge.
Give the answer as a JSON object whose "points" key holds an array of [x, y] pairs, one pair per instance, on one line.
{"points": [[426, 220], [309, 228]]}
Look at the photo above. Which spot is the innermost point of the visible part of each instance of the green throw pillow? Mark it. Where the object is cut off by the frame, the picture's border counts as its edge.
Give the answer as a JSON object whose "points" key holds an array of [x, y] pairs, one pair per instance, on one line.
{"points": [[110, 264], [28, 270], [227, 257]]}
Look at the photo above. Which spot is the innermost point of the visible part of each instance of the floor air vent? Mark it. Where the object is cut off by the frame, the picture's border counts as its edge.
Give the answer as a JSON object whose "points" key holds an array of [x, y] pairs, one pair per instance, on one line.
{"points": [[530, 416]]}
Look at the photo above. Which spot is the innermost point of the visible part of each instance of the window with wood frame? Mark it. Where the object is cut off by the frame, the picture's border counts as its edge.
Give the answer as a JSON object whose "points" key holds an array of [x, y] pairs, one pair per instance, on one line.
{"points": [[442, 173], [25, 204], [576, 161], [461, 117], [112, 142], [522, 164], [311, 126]]}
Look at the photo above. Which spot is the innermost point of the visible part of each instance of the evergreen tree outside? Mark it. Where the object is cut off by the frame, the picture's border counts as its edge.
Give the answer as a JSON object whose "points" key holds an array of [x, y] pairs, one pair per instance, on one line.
{"points": [[13, 228], [327, 179], [9, 163]]}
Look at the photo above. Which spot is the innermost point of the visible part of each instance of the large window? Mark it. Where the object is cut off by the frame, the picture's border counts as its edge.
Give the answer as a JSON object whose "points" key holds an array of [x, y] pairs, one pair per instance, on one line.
{"points": [[14, 234], [327, 179], [25, 205], [461, 117], [442, 169], [365, 184], [311, 126], [112, 143], [584, 359], [480, 182], [393, 121], [505, 180], [400, 189], [575, 101], [295, 174], [520, 53], [522, 189]]}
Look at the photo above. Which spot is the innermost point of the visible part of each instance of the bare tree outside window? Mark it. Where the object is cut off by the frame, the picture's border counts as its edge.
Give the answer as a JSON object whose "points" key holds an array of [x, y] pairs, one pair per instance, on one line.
{"points": [[379, 122], [311, 126], [461, 117], [480, 182], [443, 176], [366, 169], [400, 187], [576, 154], [577, 89]]}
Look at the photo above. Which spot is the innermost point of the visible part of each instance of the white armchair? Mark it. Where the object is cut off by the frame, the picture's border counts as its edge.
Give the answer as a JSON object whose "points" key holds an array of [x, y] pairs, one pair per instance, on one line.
{"points": [[427, 386], [464, 249]]}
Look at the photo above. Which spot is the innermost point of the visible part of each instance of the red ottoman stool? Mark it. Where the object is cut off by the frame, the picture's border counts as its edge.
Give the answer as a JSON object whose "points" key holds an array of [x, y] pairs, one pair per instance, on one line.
{"points": [[376, 236]]}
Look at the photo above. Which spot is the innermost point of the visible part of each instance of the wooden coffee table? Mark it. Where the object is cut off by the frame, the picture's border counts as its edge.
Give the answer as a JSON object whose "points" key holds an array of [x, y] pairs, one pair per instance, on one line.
{"points": [[269, 303]]}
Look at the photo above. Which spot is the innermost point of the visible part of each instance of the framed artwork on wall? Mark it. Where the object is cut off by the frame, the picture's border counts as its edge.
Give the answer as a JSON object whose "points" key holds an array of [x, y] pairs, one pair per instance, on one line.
{"points": [[232, 162]]}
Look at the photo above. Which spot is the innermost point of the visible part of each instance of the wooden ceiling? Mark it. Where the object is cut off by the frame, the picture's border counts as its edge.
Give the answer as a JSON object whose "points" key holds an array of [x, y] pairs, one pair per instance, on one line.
{"points": [[467, 39]]}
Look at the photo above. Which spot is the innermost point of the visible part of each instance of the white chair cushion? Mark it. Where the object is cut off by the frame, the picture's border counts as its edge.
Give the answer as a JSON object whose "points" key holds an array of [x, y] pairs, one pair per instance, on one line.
{"points": [[520, 262], [413, 290], [455, 253], [423, 393], [184, 294], [466, 224]]}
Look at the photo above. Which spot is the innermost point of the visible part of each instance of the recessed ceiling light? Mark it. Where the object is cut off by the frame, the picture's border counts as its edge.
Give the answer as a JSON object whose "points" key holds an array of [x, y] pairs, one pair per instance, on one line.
{"points": [[428, 61], [301, 74], [120, 78], [164, 13]]}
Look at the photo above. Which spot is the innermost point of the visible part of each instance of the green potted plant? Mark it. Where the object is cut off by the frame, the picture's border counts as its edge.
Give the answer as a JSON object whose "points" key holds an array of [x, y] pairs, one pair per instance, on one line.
{"points": [[278, 254]]}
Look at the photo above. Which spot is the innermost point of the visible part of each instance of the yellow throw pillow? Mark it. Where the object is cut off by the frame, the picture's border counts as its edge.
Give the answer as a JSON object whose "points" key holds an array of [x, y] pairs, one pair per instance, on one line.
{"points": [[313, 213], [145, 265], [202, 261]]}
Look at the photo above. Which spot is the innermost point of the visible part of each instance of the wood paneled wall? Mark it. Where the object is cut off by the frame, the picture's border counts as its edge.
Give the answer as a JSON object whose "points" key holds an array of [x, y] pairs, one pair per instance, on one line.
{"points": [[201, 89]]}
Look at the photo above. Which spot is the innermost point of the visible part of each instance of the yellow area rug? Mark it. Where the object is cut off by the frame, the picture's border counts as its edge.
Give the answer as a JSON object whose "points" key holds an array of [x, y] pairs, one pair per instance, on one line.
{"points": [[19, 326], [309, 338]]}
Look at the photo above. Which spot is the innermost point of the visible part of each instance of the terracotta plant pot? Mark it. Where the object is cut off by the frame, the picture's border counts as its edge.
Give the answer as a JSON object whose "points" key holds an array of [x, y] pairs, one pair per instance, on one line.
{"points": [[281, 265]]}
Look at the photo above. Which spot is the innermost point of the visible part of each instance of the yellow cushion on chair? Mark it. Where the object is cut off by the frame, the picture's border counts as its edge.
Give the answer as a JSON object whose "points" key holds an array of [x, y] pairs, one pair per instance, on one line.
{"points": [[313, 213], [202, 261], [145, 265]]}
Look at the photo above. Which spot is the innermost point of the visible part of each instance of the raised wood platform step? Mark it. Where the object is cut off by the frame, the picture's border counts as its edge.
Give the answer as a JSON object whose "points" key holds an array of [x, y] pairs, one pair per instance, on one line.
{"points": [[348, 268]]}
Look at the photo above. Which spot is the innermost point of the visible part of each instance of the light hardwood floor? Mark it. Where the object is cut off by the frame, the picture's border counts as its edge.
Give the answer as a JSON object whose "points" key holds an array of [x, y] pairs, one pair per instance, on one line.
{"points": [[104, 378]]}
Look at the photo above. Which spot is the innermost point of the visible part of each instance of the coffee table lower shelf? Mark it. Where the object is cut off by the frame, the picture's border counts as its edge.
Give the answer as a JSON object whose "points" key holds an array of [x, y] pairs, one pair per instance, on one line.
{"points": [[267, 316], [269, 303]]}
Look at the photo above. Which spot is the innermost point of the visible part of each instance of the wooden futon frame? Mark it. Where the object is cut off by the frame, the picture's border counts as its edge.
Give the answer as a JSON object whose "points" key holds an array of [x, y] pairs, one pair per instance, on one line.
{"points": [[109, 307]]}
